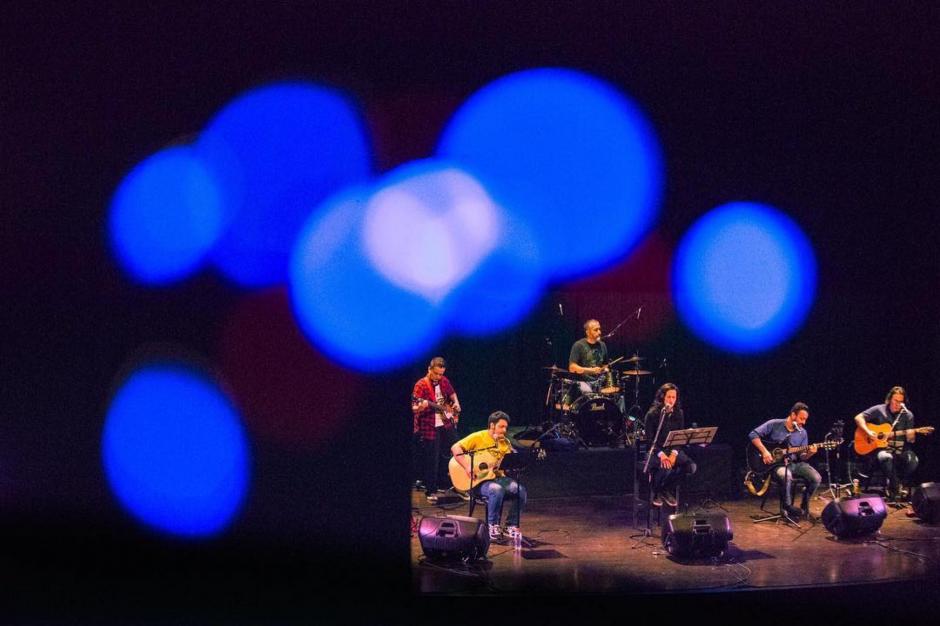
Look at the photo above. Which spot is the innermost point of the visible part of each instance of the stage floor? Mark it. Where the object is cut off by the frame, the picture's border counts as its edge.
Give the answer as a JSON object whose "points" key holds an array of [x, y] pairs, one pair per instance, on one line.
{"points": [[589, 545]]}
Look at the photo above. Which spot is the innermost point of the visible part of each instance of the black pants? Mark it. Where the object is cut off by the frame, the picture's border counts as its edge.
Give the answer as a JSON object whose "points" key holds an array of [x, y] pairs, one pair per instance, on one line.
{"points": [[666, 479], [434, 454]]}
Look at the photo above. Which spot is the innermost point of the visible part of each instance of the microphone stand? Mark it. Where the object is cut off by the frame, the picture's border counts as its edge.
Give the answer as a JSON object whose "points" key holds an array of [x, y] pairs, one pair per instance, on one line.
{"points": [[636, 383], [646, 468], [471, 453]]}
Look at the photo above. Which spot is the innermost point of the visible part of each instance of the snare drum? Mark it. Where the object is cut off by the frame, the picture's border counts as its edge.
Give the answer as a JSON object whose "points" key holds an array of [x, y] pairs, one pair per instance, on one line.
{"points": [[610, 383]]}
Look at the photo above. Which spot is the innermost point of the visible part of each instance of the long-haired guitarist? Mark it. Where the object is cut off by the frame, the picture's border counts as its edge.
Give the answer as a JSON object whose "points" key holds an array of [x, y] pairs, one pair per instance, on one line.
{"points": [[895, 456], [496, 487], [436, 411], [789, 432]]}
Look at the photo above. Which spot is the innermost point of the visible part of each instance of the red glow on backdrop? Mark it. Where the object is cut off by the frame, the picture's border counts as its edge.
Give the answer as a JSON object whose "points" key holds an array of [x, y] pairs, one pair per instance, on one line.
{"points": [[407, 126], [641, 280], [288, 392]]}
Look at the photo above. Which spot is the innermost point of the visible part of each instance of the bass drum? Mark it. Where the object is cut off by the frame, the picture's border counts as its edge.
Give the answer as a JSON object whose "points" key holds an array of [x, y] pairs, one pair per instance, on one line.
{"points": [[598, 419]]}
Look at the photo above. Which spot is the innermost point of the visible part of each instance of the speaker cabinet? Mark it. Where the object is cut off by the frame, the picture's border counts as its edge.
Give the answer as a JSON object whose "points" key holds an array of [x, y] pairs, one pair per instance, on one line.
{"points": [[454, 537], [697, 535], [854, 517], [926, 502]]}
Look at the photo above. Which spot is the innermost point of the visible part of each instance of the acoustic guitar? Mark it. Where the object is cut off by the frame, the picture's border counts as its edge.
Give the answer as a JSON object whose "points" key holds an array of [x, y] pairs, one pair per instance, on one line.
{"points": [[485, 464], [865, 444], [755, 462]]}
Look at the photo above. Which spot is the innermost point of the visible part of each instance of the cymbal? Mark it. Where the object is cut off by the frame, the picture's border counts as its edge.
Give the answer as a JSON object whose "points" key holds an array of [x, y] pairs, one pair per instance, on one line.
{"points": [[554, 369], [636, 372], [634, 359]]}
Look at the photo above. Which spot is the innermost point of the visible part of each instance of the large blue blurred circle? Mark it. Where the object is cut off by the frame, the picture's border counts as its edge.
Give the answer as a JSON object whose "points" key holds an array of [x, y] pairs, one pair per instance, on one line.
{"points": [[344, 305], [277, 152], [165, 217], [744, 277], [567, 154], [174, 451]]}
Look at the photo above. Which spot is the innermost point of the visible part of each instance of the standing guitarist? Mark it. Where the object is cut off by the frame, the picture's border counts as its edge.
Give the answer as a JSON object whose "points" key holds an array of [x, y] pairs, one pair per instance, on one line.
{"points": [[897, 459], [496, 487], [788, 433], [436, 410]]}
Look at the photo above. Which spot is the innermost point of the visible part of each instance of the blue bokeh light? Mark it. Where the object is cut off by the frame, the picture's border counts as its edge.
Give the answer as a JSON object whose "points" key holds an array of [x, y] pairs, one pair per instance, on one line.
{"points": [[565, 153], [174, 451], [744, 277], [277, 152], [165, 217], [344, 305]]}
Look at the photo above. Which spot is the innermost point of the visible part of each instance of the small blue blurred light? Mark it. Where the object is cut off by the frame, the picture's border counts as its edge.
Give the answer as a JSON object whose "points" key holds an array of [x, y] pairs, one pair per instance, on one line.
{"points": [[277, 153], [164, 217], [344, 305], [428, 226], [568, 155], [744, 277], [174, 451]]}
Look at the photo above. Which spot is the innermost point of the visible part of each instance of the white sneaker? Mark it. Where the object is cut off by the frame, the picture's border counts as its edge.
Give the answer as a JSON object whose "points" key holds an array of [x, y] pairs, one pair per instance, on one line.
{"points": [[512, 531], [496, 532]]}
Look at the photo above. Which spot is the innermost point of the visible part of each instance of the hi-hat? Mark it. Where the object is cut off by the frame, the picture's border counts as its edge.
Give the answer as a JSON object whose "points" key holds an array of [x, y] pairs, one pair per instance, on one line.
{"points": [[554, 368], [636, 372]]}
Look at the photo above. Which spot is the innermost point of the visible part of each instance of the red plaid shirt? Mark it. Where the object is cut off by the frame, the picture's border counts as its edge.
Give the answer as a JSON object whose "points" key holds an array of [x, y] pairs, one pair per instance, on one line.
{"points": [[424, 420]]}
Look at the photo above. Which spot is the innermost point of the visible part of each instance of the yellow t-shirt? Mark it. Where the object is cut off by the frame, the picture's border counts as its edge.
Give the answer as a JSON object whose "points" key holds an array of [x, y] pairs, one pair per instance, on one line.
{"points": [[483, 439]]}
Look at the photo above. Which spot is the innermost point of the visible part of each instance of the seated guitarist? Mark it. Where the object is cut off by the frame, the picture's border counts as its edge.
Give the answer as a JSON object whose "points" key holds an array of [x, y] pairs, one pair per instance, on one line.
{"points": [[434, 430], [498, 489], [789, 433], [897, 460]]}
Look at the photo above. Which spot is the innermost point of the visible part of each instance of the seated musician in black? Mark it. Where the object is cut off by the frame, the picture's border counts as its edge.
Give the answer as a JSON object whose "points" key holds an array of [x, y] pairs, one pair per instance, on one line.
{"points": [[897, 460], [789, 433], [667, 465]]}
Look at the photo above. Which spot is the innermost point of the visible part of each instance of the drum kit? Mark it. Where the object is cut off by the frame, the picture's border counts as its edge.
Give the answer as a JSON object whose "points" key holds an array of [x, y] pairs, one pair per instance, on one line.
{"points": [[591, 409]]}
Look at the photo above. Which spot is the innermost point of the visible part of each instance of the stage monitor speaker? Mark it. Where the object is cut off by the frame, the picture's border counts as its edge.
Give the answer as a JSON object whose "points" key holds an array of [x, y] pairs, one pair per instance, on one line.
{"points": [[854, 517], [926, 502], [454, 537], [697, 535]]}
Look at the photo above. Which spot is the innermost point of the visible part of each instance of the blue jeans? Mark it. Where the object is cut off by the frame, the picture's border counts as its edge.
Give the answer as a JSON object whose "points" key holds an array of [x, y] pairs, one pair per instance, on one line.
{"points": [[496, 491], [799, 469]]}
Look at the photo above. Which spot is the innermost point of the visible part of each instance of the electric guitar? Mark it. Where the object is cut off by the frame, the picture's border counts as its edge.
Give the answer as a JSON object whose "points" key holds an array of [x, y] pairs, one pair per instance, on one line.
{"points": [[755, 462], [485, 464], [449, 414], [865, 444]]}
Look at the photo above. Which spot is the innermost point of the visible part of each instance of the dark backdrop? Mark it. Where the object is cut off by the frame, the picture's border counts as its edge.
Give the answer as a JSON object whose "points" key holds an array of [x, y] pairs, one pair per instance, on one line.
{"points": [[829, 113]]}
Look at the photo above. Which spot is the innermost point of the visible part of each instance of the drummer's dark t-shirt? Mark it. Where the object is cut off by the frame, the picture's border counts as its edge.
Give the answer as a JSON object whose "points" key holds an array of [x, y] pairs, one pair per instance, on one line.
{"points": [[587, 355]]}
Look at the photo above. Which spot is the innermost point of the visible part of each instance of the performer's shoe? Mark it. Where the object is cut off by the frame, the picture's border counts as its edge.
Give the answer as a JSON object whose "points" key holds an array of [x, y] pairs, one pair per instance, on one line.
{"points": [[512, 531], [431, 498], [669, 498], [463, 495], [657, 500], [496, 533]]}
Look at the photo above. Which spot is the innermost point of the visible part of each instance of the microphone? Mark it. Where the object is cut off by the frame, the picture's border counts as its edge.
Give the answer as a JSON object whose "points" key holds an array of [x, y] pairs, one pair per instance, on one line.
{"points": [[561, 310], [904, 407], [638, 312]]}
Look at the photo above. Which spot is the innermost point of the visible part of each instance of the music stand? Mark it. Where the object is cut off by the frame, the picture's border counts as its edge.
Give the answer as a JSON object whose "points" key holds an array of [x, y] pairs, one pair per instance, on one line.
{"points": [[690, 436]]}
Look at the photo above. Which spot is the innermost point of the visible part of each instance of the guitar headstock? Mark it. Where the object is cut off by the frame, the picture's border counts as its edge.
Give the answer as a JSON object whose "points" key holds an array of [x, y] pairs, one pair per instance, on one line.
{"points": [[829, 445]]}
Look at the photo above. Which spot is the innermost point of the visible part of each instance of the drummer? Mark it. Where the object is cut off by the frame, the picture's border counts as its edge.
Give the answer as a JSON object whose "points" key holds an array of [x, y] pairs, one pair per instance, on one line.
{"points": [[589, 356]]}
